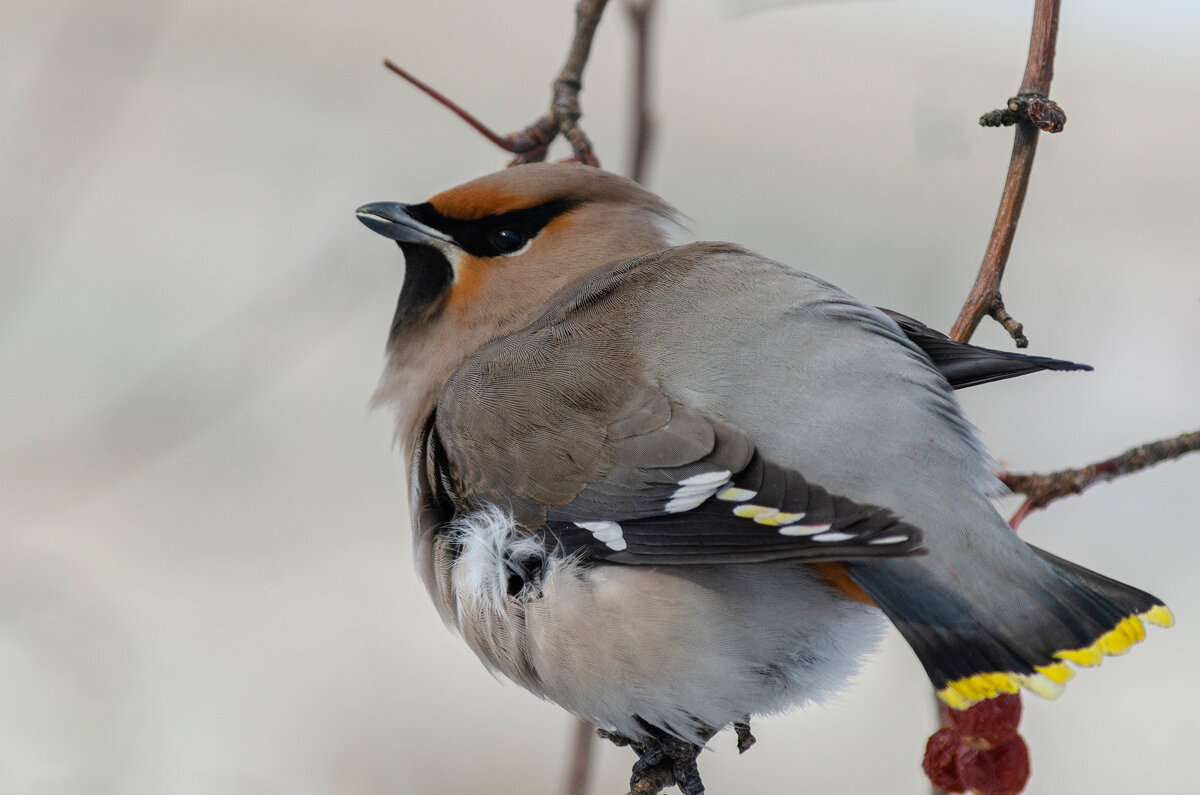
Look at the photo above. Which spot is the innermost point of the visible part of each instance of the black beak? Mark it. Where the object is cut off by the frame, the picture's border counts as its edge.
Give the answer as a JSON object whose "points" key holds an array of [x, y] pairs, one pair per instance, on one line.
{"points": [[391, 219]]}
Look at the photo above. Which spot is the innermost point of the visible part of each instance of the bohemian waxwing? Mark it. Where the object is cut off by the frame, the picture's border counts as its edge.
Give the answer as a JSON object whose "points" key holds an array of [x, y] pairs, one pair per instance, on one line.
{"points": [[669, 488]]}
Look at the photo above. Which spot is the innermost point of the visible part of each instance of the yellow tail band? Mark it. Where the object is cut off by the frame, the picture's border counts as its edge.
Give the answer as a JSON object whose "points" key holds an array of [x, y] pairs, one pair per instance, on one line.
{"points": [[1049, 681]]}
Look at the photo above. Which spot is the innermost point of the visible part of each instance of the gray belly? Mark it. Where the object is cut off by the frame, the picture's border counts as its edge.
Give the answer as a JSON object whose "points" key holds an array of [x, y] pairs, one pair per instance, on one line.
{"points": [[682, 648]]}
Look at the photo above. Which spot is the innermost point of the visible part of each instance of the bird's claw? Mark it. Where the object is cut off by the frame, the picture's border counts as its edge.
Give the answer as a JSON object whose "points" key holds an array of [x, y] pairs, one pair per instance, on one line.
{"points": [[744, 738], [663, 761]]}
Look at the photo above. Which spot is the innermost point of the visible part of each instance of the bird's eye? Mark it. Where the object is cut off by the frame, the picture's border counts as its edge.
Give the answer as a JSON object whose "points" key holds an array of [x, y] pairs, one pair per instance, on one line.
{"points": [[506, 241]]}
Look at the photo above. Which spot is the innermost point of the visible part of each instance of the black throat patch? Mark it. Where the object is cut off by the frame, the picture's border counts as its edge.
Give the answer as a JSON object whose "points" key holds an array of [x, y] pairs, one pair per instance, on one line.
{"points": [[427, 276]]}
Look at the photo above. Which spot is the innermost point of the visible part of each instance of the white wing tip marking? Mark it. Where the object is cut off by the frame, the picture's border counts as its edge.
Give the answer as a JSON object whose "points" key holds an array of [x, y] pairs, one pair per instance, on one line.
{"points": [[802, 529], [834, 536], [716, 478], [608, 532], [734, 494], [685, 502], [888, 540], [694, 491]]}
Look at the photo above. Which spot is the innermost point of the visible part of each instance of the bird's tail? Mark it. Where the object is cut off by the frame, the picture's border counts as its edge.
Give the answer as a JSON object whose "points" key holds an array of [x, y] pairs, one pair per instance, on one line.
{"points": [[977, 640]]}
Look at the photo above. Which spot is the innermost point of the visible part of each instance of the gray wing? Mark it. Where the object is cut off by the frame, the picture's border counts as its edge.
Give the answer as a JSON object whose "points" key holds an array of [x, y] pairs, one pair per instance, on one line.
{"points": [[563, 424]]}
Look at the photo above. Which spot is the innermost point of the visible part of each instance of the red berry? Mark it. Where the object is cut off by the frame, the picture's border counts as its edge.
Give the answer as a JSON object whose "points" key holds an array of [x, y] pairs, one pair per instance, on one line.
{"points": [[1003, 770], [940, 761], [989, 723]]}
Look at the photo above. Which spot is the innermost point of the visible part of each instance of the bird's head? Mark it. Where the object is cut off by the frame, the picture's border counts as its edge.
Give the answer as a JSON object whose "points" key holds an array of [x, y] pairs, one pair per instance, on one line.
{"points": [[502, 244], [482, 259]]}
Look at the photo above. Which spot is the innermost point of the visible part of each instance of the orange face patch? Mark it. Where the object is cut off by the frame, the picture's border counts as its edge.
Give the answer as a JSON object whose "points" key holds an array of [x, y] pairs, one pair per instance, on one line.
{"points": [[471, 273], [468, 281], [471, 202], [558, 224]]}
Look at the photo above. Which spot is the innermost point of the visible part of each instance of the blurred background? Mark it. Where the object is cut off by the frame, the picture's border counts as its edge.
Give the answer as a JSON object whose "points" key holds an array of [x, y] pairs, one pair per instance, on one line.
{"points": [[206, 581]]}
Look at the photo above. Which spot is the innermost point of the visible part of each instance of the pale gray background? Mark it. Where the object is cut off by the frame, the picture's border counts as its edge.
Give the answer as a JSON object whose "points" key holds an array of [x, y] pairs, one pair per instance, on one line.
{"points": [[205, 575]]}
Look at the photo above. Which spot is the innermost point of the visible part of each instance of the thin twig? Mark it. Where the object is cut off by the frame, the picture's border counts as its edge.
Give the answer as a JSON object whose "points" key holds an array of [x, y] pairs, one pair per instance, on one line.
{"points": [[564, 104], [566, 101], [640, 16], [1031, 112], [985, 298], [582, 741], [531, 143], [1041, 490]]}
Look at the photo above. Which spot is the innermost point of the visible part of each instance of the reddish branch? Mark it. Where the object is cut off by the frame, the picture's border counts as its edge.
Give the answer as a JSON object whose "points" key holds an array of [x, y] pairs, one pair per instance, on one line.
{"points": [[533, 139], [1031, 112], [531, 143], [1041, 490]]}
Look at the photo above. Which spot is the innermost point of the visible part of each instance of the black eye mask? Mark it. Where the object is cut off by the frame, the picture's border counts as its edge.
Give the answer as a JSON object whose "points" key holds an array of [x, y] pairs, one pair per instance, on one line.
{"points": [[493, 235]]}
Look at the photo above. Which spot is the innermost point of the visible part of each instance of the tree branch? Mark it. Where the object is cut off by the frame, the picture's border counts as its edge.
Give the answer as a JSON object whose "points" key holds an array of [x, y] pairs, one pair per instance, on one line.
{"points": [[531, 143], [564, 103], [1041, 490], [533, 139], [1031, 112], [641, 16], [582, 742]]}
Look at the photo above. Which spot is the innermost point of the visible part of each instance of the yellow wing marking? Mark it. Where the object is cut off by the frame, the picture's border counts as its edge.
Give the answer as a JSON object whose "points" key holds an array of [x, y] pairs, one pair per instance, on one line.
{"points": [[1049, 680]]}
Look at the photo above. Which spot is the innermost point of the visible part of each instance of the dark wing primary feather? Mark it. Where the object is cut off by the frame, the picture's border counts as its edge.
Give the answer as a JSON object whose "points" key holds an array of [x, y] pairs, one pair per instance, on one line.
{"points": [[560, 423], [762, 512], [966, 365]]}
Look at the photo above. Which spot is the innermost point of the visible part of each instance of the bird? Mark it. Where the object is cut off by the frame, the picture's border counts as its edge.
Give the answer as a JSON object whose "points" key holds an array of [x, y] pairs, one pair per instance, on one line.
{"points": [[671, 487]]}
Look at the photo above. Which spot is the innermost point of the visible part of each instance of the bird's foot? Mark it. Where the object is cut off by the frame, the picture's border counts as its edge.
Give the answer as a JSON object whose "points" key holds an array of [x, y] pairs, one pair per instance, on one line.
{"points": [[744, 738], [663, 761]]}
